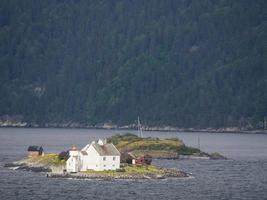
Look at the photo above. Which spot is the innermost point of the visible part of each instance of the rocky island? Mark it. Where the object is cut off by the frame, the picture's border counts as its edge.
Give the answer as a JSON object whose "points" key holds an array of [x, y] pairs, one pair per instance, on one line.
{"points": [[170, 148], [55, 167], [127, 144]]}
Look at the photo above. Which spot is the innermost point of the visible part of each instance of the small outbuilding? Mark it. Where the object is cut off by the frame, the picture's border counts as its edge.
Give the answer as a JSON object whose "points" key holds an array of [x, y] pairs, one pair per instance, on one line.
{"points": [[143, 160], [35, 151], [128, 157]]}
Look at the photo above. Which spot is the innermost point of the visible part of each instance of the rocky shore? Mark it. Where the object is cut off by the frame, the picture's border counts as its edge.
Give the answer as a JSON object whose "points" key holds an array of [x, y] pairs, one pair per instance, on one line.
{"points": [[18, 122], [58, 172], [166, 173], [23, 166], [38, 164]]}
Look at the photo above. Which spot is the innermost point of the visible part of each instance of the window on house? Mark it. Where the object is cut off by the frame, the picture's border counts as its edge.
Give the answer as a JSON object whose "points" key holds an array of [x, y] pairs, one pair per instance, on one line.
{"points": [[104, 165], [114, 158], [104, 158], [113, 165]]}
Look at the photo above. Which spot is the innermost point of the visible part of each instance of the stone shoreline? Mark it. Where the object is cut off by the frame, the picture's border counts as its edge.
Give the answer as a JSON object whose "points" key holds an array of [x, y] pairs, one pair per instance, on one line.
{"points": [[22, 124], [168, 173], [52, 173], [26, 167]]}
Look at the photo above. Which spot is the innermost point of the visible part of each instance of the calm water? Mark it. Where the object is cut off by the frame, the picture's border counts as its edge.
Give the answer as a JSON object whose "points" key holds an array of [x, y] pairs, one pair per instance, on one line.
{"points": [[243, 176]]}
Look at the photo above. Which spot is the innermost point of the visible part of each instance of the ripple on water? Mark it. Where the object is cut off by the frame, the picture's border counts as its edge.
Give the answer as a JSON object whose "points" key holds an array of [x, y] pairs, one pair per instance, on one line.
{"points": [[211, 179]]}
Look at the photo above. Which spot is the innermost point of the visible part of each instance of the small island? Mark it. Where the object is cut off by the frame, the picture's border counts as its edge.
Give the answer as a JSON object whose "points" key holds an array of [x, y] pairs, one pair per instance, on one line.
{"points": [[124, 156], [170, 148]]}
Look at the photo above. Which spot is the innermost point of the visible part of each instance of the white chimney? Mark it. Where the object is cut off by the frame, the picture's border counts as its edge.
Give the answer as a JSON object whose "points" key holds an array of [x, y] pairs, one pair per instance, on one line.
{"points": [[100, 142]]}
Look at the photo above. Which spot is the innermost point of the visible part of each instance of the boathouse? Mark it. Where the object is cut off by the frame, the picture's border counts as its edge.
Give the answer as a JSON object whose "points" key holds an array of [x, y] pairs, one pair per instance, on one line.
{"points": [[35, 151], [130, 158], [143, 160]]}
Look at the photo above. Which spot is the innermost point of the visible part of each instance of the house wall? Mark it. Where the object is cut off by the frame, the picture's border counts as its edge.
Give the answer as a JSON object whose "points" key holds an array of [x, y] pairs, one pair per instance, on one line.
{"points": [[109, 163], [90, 161], [96, 162], [33, 153], [72, 164]]}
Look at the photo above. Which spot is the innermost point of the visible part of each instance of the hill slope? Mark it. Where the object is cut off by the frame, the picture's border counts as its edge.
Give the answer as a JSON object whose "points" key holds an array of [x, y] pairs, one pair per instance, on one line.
{"points": [[173, 148], [179, 63]]}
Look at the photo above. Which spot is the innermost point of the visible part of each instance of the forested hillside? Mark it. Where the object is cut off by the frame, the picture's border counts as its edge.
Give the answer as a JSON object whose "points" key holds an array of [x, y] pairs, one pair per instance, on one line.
{"points": [[172, 62]]}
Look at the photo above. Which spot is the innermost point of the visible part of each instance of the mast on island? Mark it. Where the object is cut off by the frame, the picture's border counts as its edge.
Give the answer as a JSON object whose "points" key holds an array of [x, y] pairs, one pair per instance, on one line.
{"points": [[140, 132]]}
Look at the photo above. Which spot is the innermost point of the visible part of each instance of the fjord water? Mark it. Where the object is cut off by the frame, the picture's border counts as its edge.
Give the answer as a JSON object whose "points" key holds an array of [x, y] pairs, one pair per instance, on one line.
{"points": [[242, 176]]}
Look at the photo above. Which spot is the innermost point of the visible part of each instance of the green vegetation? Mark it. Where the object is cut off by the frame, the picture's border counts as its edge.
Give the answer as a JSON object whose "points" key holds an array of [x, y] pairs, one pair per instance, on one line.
{"points": [[185, 150], [216, 156], [143, 169], [129, 170], [47, 159], [157, 148], [178, 63], [154, 146]]}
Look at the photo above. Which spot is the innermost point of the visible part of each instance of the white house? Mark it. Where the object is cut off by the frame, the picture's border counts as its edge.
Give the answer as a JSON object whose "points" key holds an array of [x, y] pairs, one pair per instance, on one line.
{"points": [[96, 156]]}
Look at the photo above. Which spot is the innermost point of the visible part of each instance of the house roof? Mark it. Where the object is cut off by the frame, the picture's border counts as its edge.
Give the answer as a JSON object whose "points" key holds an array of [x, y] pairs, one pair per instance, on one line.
{"points": [[86, 147], [132, 155], [35, 148], [106, 150]]}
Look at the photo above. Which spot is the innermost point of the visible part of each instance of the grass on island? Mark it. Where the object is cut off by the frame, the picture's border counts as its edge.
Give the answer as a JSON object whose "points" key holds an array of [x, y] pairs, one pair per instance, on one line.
{"points": [[185, 150], [47, 159], [128, 170], [143, 169], [157, 148], [132, 142]]}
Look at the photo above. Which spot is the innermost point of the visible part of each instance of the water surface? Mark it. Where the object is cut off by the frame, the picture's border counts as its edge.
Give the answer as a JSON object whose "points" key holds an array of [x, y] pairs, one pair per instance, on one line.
{"points": [[242, 176]]}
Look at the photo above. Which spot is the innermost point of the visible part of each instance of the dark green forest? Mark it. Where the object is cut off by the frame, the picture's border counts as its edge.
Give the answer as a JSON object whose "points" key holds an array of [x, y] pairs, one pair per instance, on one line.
{"points": [[183, 63]]}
